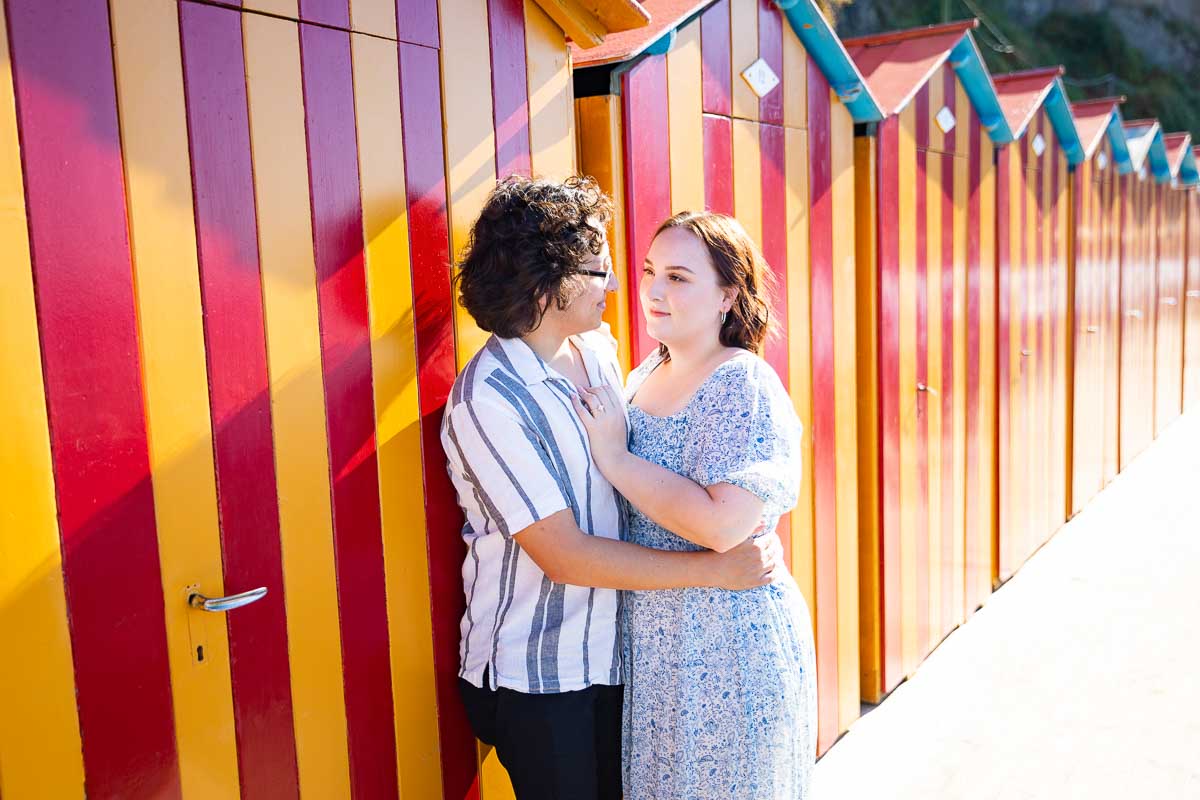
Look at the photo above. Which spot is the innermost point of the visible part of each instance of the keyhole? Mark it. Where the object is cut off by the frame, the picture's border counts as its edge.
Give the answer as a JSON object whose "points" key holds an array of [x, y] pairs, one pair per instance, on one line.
{"points": [[200, 653]]}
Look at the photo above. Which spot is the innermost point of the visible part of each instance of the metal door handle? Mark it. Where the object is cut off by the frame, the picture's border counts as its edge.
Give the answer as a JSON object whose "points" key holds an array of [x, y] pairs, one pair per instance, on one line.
{"points": [[1093, 328], [1026, 352], [923, 388], [197, 600]]}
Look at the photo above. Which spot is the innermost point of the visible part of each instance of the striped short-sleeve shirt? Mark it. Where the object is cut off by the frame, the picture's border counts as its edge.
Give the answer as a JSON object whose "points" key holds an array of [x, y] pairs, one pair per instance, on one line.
{"points": [[517, 453]]}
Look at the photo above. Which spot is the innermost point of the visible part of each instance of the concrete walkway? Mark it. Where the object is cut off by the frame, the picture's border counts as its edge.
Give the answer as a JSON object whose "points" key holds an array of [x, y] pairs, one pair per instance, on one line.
{"points": [[1080, 678]]}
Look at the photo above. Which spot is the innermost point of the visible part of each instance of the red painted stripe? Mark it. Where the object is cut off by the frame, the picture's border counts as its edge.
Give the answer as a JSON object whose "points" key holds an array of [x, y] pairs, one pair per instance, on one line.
{"points": [[951, 529], [327, 12], [716, 72], [647, 177], [510, 101], [824, 425], [425, 178], [770, 50], [887, 230], [1055, 390], [977, 549], [75, 198], [1041, 408], [718, 164], [235, 340], [1004, 311], [350, 410], [417, 22], [922, 358]]}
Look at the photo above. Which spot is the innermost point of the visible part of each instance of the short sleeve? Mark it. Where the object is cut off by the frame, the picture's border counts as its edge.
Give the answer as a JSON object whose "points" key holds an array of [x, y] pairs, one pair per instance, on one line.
{"points": [[743, 431], [502, 470]]}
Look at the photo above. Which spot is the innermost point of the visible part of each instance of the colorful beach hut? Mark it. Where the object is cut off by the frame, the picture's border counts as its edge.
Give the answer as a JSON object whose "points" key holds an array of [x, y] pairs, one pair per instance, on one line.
{"points": [[1191, 302], [1033, 202], [926, 257], [1142, 196], [740, 107], [1095, 271], [228, 334]]}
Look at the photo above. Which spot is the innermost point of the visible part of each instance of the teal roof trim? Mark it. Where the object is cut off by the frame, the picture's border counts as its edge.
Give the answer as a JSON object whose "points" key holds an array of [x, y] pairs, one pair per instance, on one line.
{"points": [[967, 63], [1160, 165], [1188, 173], [826, 49], [1120, 144], [1058, 108]]}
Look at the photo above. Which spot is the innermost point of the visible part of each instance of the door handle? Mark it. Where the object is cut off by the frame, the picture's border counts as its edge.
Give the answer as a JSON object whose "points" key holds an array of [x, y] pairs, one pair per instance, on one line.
{"points": [[1093, 328], [1025, 352], [923, 388], [216, 604]]}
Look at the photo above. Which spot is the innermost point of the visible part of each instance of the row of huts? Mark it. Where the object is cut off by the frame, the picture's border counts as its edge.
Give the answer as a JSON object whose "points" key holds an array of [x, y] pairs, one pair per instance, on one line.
{"points": [[227, 233]]}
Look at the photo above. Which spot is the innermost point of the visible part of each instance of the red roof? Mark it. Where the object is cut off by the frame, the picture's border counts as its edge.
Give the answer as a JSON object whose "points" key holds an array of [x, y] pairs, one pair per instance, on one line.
{"points": [[1091, 120], [665, 16], [897, 64], [1022, 93], [1177, 146]]}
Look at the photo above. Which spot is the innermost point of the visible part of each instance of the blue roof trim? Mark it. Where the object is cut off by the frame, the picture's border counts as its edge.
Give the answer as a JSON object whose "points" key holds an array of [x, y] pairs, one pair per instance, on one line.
{"points": [[1160, 165], [1058, 108], [967, 63], [1188, 173], [827, 50], [1120, 144]]}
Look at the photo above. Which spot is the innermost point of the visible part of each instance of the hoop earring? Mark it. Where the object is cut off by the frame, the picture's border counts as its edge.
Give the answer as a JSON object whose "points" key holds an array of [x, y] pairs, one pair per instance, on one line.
{"points": [[723, 315]]}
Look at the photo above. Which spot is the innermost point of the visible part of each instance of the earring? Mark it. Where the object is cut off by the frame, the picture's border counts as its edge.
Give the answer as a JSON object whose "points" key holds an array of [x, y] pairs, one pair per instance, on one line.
{"points": [[723, 315]]}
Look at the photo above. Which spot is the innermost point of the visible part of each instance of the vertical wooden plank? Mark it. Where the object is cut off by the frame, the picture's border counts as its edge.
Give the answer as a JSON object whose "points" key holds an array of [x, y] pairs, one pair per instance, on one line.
{"points": [[958, 219], [647, 158], [289, 9], [718, 164], [1191, 342], [397, 412], [795, 93], [281, 191], [743, 48], [973, 592], [600, 135], [171, 333], [231, 290], [920, 586], [772, 152], [685, 120], [376, 17], [989, 476], [747, 178], [510, 93], [845, 397], [417, 22], [551, 105], [335, 13], [66, 114], [37, 690], [1004, 356], [931, 184], [952, 352], [907, 389], [824, 427], [716, 70], [470, 140], [426, 200], [770, 50]]}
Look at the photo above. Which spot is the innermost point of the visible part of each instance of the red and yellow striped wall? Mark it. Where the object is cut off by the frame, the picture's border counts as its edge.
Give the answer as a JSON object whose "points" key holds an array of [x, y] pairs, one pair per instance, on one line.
{"points": [[687, 132], [931, 321], [229, 333], [1139, 249], [1191, 305], [1168, 317], [1095, 273], [1033, 205]]}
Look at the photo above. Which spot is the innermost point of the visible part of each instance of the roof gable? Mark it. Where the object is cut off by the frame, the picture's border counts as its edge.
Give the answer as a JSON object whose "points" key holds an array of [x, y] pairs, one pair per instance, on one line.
{"points": [[1180, 158], [1147, 148], [589, 23], [1095, 119], [1022, 94]]}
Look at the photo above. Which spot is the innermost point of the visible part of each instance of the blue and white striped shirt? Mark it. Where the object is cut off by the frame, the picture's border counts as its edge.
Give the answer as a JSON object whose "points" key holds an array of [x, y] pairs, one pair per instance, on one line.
{"points": [[517, 453]]}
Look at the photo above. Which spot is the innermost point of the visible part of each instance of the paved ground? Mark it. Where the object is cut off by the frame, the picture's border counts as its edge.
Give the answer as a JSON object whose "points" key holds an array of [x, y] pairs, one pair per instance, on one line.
{"points": [[1079, 677]]}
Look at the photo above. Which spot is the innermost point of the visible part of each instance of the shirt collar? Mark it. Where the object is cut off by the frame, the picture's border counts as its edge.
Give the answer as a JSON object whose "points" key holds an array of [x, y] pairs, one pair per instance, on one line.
{"points": [[520, 359]]}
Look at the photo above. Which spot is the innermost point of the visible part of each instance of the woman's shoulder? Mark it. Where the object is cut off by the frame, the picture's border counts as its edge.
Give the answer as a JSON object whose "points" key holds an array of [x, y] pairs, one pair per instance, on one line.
{"points": [[746, 370]]}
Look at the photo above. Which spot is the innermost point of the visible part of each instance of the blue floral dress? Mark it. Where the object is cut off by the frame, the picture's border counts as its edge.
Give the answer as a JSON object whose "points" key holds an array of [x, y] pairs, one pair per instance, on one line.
{"points": [[720, 694]]}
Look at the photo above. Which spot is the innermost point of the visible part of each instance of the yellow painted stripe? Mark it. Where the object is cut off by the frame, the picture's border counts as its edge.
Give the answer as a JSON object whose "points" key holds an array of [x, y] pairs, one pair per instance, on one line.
{"points": [[961, 187], [933, 404], [799, 335], [283, 8], [1033, 480], [907, 389], [40, 750], [987, 346], [469, 136], [600, 154], [1062, 338], [376, 17], [845, 386], [865, 197], [795, 81], [397, 414], [937, 99], [551, 101], [743, 48], [170, 322], [494, 783], [684, 103], [747, 178], [277, 140]]}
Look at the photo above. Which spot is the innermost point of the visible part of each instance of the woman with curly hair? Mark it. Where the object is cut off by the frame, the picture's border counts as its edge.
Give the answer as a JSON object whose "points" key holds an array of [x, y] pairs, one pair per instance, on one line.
{"points": [[540, 650], [720, 697]]}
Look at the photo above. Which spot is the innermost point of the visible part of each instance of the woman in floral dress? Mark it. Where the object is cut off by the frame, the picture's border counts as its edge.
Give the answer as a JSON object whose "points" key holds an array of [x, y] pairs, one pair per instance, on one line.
{"points": [[720, 697]]}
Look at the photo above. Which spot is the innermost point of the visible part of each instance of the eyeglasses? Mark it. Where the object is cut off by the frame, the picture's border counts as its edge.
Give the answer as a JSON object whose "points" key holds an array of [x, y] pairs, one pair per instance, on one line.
{"points": [[606, 274]]}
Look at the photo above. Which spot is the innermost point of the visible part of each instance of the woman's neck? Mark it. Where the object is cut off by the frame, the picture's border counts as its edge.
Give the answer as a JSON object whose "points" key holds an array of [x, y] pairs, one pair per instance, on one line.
{"points": [[690, 356], [548, 343]]}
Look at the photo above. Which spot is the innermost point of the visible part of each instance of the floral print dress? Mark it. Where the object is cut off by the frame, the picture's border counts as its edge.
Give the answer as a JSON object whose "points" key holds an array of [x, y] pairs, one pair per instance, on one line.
{"points": [[720, 694]]}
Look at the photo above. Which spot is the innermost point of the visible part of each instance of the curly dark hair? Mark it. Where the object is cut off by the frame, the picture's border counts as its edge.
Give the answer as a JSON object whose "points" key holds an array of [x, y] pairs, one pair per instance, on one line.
{"points": [[530, 238]]}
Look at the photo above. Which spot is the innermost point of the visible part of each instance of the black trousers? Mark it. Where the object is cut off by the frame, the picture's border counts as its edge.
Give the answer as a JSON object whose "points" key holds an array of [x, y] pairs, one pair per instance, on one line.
{"points": [[564, 746]]}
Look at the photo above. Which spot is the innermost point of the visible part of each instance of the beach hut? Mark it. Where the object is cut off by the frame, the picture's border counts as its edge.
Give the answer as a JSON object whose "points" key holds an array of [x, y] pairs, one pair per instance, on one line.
{"points": [[1171, 277], [228, 334], [926, 257], [1191, 302], [1095, 273], [740, 107], [1033, 205], [1139, 257]]}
